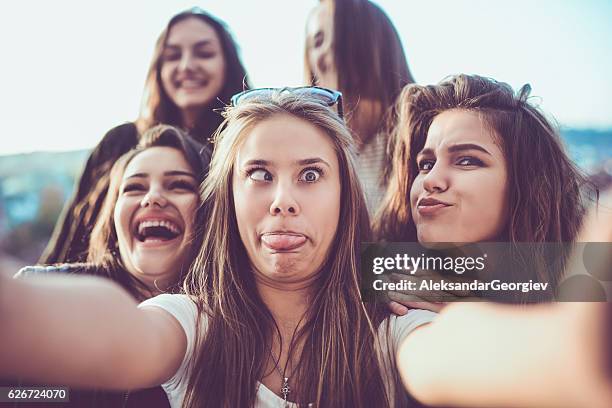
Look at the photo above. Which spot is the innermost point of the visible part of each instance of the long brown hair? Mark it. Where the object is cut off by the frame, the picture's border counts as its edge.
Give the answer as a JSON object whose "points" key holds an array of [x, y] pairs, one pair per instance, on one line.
{"points": [[103, 253], [338, 365], [544, 186], [369, 58], [158, 108]]}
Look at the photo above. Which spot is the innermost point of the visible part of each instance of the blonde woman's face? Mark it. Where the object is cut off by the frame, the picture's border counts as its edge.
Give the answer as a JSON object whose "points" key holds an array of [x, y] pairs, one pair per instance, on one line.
{"points": [[460, 192], [286, 189]]}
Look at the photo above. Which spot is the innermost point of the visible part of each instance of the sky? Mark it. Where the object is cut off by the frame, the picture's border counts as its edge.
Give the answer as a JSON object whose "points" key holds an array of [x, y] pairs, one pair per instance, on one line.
{"points": [[72, 70]]}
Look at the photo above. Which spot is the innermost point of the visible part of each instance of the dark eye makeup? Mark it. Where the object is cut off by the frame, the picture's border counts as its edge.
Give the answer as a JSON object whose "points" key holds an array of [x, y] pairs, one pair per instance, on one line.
{"points": [[469, 161], [181, 184]]}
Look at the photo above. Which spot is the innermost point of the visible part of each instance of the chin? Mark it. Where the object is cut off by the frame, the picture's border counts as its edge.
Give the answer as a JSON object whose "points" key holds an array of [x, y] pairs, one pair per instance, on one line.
{"points": [[426, 235], [153, 270], [435, 237]]}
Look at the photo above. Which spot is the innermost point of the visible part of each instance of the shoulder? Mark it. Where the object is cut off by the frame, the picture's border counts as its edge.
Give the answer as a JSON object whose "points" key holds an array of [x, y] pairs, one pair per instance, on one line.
{"points": [[186, 311], [399, 327], [180, 306], [168, 300]]}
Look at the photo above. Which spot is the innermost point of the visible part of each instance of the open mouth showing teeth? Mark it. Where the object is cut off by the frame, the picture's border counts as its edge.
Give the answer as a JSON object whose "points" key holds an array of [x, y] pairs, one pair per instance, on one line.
{"points": [[157, 230], [191, 83]]}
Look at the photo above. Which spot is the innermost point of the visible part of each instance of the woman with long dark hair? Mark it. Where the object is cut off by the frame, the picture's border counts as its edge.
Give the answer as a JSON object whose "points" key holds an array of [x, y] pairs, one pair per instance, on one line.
{"points": [[352, 46], [476, 162], [194, 71]]}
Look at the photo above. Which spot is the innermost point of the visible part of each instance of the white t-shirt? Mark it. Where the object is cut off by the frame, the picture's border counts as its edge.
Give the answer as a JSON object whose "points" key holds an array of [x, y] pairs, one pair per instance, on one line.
{"points": [[184, 311]]}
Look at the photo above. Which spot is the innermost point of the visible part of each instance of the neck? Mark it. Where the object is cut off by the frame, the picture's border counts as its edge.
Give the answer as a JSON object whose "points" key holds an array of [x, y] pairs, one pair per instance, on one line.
{"points": [[152, 285], [189, 117], [365, 121], [287, 304]]}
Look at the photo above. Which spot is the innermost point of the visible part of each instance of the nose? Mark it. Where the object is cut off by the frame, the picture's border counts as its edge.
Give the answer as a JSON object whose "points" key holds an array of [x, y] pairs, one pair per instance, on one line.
{"points": [[154, 197], [187, 62], [284, 202], [436, 180]]}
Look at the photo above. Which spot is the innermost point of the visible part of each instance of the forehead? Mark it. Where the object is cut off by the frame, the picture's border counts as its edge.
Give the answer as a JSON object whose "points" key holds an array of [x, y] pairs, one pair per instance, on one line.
{"points": [[191, 30], [285, 139], [157, 160], [320, 19], [459, 126]]}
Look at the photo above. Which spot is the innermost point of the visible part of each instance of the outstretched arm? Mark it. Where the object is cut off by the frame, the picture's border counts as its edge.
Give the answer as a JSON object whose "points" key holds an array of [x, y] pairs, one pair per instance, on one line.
{"points": [[85, 331], [486, 355]]}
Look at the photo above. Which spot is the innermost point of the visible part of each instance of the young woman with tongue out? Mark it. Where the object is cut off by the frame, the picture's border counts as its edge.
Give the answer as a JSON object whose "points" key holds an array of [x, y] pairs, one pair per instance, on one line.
{"points": [[194, 71], [272, 315], [145, 236]]}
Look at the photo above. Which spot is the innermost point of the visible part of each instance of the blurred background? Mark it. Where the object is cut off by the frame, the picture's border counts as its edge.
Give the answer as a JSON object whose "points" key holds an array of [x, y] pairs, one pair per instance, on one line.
{"points": [[73, 70]]}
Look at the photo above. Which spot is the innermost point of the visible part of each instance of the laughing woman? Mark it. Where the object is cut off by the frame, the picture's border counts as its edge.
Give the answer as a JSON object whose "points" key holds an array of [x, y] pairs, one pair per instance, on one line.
{"points": [[194, 72], [272, 314], [149, 252]]}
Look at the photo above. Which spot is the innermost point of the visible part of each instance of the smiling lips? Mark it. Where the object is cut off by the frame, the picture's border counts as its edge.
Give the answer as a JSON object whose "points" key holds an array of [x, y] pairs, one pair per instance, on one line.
{"points": [[430, 206], [283, 241], [191, 83]]}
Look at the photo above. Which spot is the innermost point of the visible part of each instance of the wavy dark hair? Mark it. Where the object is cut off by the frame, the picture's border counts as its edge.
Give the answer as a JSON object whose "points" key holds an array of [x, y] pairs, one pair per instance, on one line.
{"points": [[369, 58], [338, 365], [158, 108], [103, 253], [545, 188]]}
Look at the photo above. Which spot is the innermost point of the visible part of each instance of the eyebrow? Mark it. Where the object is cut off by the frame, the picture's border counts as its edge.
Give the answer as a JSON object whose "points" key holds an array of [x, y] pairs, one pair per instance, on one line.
{"points": [[467, 146], [168, 173], [459, 147], [303, 162]]}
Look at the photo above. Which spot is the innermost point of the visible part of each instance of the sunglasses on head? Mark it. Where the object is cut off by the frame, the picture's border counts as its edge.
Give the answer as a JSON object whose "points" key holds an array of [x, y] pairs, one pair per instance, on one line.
{"points": [[327, 97]]}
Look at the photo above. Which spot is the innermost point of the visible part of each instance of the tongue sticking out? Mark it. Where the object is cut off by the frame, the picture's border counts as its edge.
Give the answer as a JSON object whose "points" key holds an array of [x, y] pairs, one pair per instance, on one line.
{"points": [[283, 242]]}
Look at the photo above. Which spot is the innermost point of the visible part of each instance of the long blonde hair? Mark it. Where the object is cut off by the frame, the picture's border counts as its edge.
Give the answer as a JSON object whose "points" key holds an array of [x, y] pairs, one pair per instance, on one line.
{"points": [[338, 365]]}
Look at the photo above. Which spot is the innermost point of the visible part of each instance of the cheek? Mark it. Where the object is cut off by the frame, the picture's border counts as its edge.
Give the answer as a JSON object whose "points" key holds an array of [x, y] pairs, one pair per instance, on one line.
{"points": [[323, 208], [415, 190], [166, 76], [499, 201], [121, 216], [218, 67], [189, 210], [487, 205], [312, 60], [247, 206]]}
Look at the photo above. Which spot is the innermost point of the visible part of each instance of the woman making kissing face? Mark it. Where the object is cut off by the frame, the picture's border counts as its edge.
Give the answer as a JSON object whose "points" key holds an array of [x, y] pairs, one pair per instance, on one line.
{"points": [[460, 191]]}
